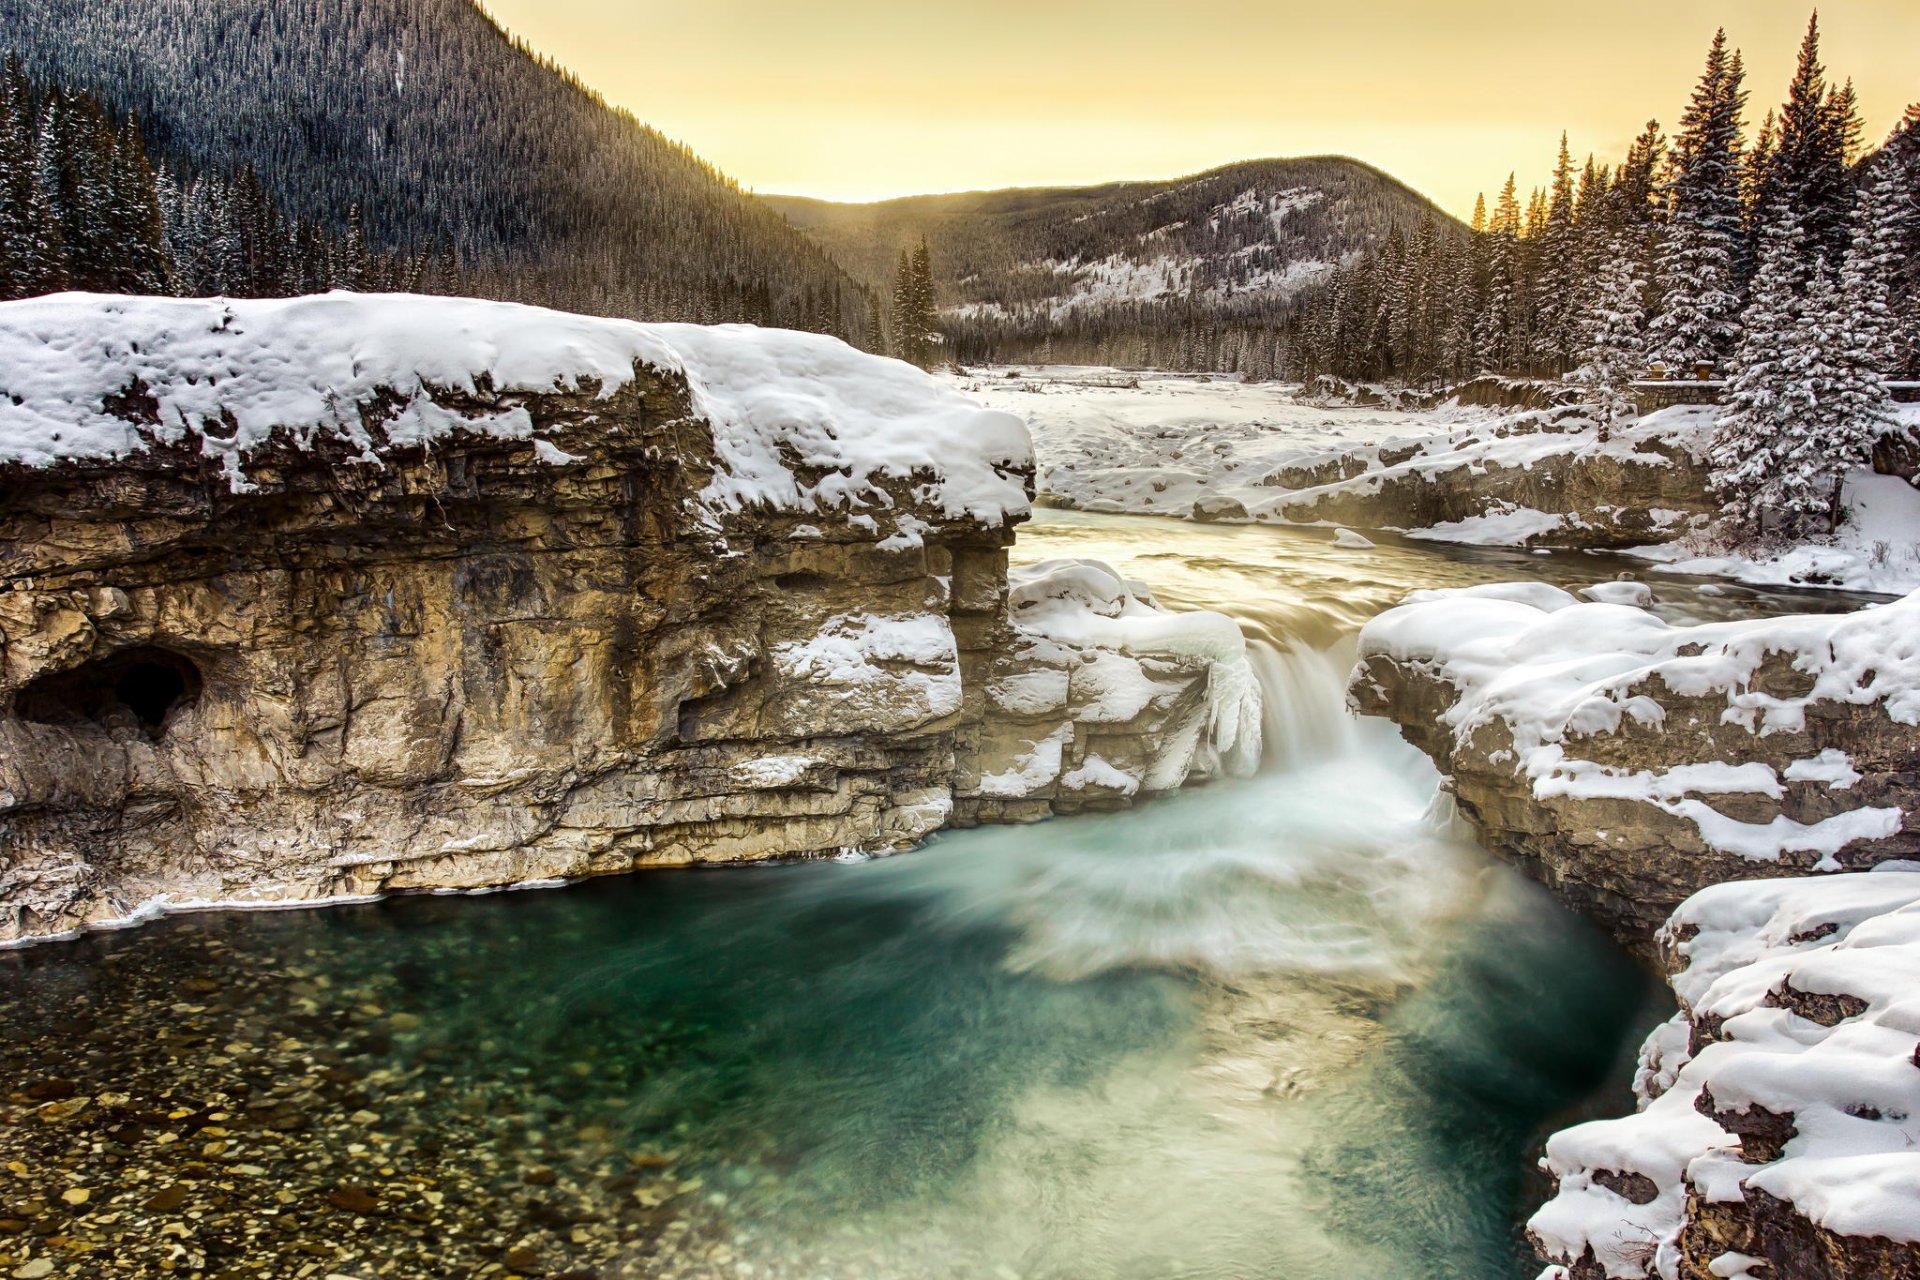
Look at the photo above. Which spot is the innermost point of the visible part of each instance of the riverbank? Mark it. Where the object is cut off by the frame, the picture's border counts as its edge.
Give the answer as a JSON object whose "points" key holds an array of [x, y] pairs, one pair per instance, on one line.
{"points": [[1213, 448]]}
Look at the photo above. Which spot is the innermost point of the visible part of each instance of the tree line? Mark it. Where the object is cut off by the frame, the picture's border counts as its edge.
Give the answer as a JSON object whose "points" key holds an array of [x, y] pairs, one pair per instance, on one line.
{"points": [[84, 205], [1785, 263], [453, 142]]}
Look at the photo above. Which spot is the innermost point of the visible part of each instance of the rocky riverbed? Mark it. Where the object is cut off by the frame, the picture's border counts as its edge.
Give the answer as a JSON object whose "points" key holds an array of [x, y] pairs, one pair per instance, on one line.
{"points": [[225, 1111]]}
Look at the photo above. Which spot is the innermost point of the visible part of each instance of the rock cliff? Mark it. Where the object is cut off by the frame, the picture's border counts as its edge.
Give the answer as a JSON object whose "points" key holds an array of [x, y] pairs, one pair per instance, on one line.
{"points": [[1628, 763], [1723, 770], [344, 595]]}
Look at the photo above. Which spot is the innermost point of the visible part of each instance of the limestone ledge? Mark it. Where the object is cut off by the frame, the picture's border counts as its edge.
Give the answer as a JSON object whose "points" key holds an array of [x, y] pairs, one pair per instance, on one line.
{"points": [[482, 659], [1628, 764], [1539, 478]]}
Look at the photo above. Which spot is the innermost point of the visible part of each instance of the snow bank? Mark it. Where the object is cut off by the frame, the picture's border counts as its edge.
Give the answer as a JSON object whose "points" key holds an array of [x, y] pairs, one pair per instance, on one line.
{"points": [[225, 376], [1554, 670], [883, 669], [1801, 995], [1877, 547]]}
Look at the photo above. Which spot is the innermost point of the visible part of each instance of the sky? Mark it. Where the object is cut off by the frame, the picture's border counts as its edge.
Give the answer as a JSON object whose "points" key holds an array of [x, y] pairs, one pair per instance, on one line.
{"points": [[866, 99]]}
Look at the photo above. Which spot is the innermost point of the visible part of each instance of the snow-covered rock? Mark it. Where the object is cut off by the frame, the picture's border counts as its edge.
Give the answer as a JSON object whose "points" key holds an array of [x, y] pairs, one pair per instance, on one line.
{"points": [[1628, 762], [798, 421], [1104, 696], [1778, 1133], [316, 599], [1536, 478]]}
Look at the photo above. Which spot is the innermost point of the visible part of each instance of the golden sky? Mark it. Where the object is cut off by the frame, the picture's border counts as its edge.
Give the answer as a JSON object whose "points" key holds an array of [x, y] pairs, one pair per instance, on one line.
{"points": [[863, 99]]}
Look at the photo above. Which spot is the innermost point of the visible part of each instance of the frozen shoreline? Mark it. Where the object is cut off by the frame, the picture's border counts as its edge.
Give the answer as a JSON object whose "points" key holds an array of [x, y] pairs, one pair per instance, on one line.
{"points": [[1148, 443]]}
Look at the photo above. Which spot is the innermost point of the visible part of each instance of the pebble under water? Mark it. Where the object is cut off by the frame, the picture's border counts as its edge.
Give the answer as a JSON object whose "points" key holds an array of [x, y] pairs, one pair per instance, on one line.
{"points": [[1296, 1026]]}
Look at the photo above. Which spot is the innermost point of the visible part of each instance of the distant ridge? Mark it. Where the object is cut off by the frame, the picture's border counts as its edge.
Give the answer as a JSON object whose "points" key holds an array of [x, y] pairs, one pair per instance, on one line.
{"points": [[1126, 272]]}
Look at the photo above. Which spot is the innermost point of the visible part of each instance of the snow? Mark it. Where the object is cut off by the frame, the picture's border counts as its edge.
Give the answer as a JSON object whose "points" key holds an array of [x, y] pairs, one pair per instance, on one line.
{"points": [[1088, 639], [1148, 443], [1351, 541], [1853, 1166], [875, 660], [228, 376], [1877, 548], [773, 771], [1509, 526], [1556, 670], [1154, 443]]}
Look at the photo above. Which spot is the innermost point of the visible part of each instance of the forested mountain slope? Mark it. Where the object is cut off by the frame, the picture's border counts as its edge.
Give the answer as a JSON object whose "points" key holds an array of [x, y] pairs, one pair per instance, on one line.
{"points": [[444, 132], [1133, 272]]}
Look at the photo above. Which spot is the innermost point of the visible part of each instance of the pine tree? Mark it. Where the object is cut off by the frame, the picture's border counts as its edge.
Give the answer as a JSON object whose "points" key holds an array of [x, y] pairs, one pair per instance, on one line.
{"points": [[1698, 318], [1760, 468], [916, 339], [1636, 182], [1808, 170], [1854, 339], [139, 225], [1494, 339], [16, 183], [1613, 326], [1556, 334], [1901, 157]]}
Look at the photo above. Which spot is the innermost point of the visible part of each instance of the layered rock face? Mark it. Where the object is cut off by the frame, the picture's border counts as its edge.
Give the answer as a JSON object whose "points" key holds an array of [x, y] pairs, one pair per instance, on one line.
{"points": [[1539, 479], [1628, 763], [1637, 767], [324, 598], [1778, 1134]]}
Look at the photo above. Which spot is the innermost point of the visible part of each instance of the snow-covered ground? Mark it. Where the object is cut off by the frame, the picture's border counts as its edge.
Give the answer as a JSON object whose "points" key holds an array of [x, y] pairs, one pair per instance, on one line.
{"points": [[1146, 443], [1110, 440], [226, 377], [1878, 549]]}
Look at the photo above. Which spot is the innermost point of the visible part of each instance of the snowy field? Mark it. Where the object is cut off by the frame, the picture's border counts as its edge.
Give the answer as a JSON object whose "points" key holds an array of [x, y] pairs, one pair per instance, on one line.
{"points": [[1123, 442], [1117, 441]]}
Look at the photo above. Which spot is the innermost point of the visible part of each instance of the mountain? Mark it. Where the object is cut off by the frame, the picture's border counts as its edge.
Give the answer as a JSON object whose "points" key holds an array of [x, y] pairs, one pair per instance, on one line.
{"points": [[443, 132], [1130, 272]]}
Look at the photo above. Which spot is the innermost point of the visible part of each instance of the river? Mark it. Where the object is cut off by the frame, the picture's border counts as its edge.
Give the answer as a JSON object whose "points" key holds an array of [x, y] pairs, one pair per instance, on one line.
{"points": [[1294, 1026]]}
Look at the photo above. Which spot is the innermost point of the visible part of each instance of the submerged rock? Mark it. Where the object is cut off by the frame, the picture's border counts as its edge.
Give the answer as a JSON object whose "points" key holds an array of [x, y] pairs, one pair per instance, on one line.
{"points": [[318, 599]]}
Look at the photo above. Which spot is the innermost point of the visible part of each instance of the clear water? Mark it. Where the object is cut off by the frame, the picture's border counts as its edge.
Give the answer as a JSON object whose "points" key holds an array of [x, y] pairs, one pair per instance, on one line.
{"points": [[1295, 1026]]}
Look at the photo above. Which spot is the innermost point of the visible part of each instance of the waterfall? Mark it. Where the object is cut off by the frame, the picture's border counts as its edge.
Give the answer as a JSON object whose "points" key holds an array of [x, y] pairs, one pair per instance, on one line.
{"points": [[1304, 718]]}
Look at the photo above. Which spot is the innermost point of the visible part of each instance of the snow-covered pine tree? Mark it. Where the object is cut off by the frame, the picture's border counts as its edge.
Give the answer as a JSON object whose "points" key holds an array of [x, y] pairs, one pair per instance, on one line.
{"points": [[1818, 129], [16, 182], [1613, 321], [1557, 318], [1854, 334], [1901, 155], [1699, 299], [1494, 337], [143, 266], [1755, 201], [1760, 472]]}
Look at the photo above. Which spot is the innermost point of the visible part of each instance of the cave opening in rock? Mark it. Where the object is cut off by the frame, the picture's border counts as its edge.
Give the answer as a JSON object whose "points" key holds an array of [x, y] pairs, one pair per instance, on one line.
{"points": [[142, 687]]}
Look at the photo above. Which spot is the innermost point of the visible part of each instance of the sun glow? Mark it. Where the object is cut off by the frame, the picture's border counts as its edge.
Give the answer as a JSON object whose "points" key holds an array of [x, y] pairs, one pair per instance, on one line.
{"points": [[864, 99]]}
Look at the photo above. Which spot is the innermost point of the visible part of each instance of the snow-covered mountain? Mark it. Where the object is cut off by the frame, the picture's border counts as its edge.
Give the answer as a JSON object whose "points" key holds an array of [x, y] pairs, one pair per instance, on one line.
{"points": [[443, 132], [1088, 271]]}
